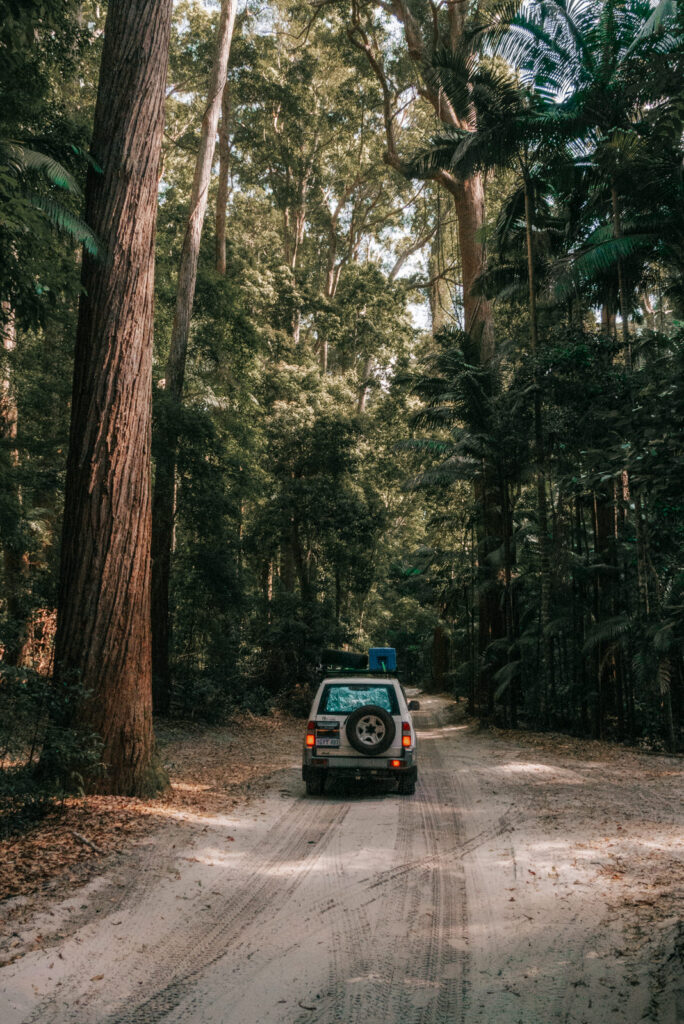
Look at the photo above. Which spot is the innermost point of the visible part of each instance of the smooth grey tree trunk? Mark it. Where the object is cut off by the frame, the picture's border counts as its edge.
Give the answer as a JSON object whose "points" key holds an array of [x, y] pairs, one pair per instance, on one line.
{"points": [[163, 509]]}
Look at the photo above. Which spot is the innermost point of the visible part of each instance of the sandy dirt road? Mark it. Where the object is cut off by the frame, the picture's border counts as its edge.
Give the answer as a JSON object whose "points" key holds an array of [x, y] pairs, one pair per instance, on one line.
{"points": [[519, 884]]}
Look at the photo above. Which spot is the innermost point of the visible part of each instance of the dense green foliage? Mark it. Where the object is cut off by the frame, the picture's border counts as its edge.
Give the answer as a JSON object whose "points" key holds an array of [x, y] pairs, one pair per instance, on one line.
{"points": [[575, 407], [30, 708], [345, 474]]}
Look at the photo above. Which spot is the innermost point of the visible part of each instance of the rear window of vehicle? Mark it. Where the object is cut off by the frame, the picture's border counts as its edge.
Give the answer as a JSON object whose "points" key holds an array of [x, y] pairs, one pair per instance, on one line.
{"points": [[343, 698]]}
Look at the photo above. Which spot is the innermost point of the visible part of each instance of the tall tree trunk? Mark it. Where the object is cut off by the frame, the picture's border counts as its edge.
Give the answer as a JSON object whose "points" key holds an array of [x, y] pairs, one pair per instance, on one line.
{"points": [[607, 322], [507, 522], [468, 197], [14, 557], [542, 500], [617, 231], [439, 294], [103, 632], [664, 674], [440, 658], [332, 277], [363, 390], [222, 191], [477, 312], [163, 510], [491, 608], [300, 564]]}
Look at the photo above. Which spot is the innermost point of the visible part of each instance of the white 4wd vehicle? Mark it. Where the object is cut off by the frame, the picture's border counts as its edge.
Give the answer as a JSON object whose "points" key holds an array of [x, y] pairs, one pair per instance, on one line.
{"points": [[360, 727]]}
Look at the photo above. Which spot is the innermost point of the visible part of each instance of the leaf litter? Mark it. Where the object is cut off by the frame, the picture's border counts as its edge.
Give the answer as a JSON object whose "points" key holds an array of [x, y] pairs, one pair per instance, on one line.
{"points": [[211, 768]]}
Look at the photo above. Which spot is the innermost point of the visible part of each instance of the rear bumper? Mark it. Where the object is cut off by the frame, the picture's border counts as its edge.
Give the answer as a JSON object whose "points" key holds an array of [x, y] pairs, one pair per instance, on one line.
{"points": [[358, 767]]}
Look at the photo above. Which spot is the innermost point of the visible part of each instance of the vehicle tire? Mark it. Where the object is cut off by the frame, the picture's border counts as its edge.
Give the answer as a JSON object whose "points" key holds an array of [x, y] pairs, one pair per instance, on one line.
{"points": [[407, 786], [315, 784], [370, 730]]}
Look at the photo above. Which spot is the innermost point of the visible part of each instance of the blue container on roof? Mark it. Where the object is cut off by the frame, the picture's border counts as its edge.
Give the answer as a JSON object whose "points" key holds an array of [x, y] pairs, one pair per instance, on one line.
{"points": [[382, 659]]}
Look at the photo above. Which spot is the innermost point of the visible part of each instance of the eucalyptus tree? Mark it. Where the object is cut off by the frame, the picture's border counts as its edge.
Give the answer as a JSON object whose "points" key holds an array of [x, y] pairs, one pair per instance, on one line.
{"points": [[426, 28], [164, 486], [305, 127], [103, 631], [509, 129]]}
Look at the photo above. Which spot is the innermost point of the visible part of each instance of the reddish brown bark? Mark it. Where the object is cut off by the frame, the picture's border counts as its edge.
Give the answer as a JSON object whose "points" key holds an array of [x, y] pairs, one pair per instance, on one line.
{"points": [[103, 632], [477, 312], [14, 558]]}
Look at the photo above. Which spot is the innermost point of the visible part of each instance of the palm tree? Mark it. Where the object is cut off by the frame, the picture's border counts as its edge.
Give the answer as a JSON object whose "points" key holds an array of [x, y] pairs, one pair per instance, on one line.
{"points": [[509, 127], [616, 118], [594, 65], [472, 439]]}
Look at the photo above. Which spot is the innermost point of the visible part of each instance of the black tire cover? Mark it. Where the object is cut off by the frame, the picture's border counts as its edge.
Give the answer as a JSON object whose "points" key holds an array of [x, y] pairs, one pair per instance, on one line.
{"points": [[357, 743]]}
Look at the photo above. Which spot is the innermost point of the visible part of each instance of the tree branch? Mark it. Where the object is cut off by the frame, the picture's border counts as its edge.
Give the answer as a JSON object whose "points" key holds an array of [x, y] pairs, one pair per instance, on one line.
{"points": [[407, 253], [359, 38]]}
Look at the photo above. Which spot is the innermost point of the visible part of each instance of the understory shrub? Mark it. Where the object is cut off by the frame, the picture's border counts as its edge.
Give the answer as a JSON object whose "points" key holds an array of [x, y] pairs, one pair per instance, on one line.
{"points": [[35, 777]]}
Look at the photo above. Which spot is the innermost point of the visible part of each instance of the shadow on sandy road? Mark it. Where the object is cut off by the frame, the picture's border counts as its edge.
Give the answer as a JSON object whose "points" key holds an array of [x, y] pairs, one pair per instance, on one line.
{"points": [[365, 789]]}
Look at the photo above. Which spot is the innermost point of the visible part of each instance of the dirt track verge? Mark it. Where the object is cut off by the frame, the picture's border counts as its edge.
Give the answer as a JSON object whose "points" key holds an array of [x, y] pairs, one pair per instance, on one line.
{"points": [[211, 769]]}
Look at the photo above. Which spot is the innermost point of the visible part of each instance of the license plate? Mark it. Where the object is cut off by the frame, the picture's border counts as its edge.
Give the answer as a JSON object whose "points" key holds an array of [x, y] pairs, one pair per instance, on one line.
{"points": [[327, 741]]}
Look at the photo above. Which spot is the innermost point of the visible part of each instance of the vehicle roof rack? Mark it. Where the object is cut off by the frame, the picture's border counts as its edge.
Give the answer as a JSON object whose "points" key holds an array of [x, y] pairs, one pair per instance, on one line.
{"points": [[375, 673]]}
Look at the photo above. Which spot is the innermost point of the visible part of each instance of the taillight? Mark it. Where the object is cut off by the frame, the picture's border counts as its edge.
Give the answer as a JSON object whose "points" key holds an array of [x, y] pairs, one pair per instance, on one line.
{"points": [[396, 764], [406, 734], [311, 734]]}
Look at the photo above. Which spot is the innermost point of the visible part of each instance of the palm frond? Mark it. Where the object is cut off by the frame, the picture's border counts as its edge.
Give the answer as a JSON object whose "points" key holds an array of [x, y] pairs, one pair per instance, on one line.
{"points": [[607, 632], [663, 638], [600, 258], [505, 676], [423, 444], [451, 471], [655, 25]]}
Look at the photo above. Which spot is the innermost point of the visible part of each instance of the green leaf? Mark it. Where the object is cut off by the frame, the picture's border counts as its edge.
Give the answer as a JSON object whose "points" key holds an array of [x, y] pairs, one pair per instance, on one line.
{"points": [[68, 222]]}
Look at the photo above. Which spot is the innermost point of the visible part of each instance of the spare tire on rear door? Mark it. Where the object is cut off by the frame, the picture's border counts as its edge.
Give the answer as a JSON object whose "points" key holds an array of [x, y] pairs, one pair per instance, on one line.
{"points": [[370, 730]]}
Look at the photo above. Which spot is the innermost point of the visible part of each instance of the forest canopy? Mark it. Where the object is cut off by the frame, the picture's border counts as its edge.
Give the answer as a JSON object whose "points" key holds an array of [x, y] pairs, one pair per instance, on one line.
{"points": [[415, 372]]}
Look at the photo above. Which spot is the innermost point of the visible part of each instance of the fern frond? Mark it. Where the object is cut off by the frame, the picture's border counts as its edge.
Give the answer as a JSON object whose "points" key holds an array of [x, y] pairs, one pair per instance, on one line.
{"points": [[31, 160], [66, 221]]}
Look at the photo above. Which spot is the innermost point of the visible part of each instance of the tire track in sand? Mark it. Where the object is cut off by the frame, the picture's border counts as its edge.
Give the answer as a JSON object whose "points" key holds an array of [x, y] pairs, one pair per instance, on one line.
{"points": [[363, 967], [182, 954], [390, 960]]}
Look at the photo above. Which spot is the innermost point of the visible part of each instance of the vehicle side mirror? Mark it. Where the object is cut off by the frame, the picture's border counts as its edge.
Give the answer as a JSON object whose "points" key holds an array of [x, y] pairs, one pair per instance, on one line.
{"points": [[414, 705]]}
